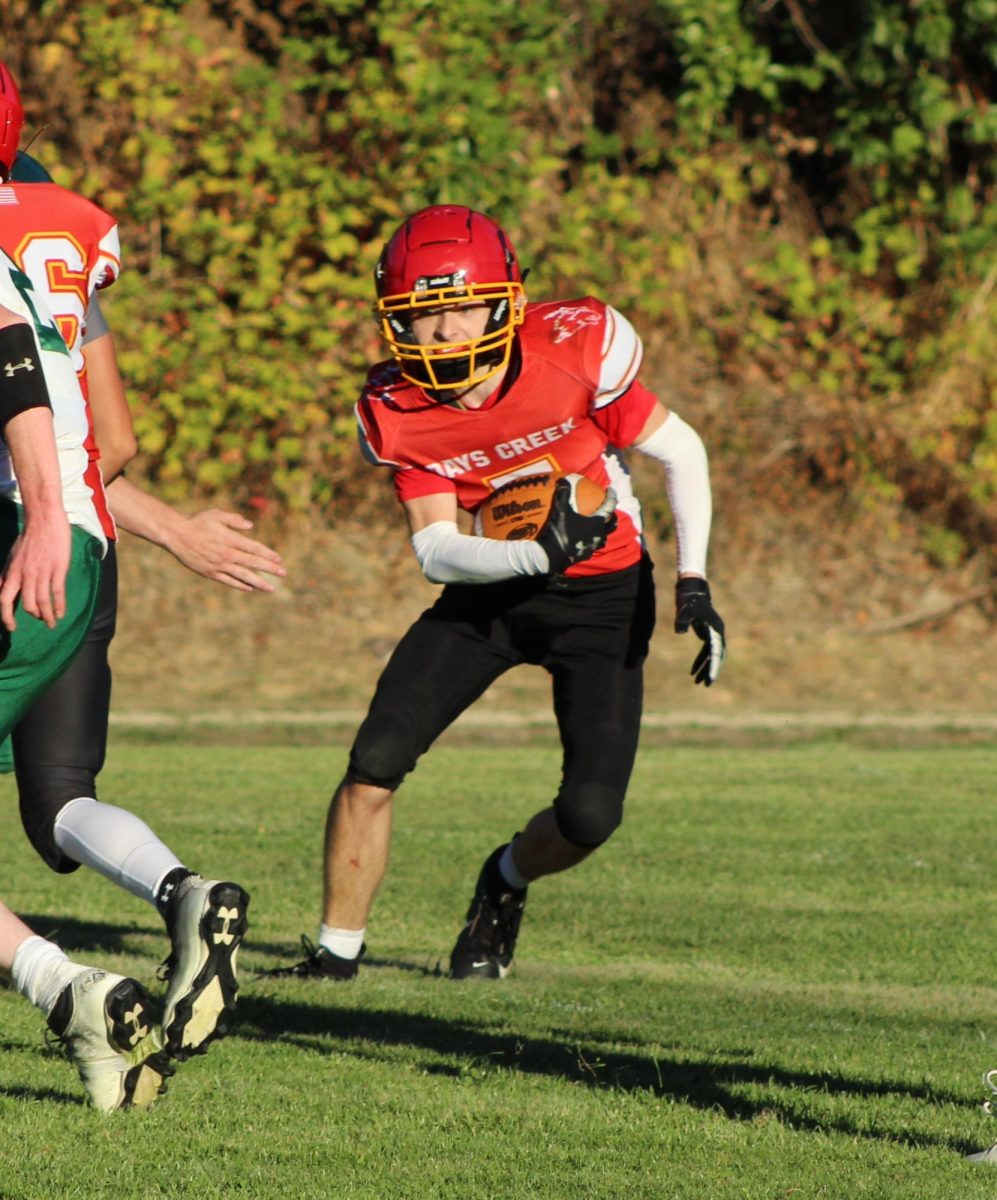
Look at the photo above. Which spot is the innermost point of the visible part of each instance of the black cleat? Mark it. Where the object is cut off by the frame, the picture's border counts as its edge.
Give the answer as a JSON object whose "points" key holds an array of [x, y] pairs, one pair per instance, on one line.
{"points": [[486, 944], [319, 963]]}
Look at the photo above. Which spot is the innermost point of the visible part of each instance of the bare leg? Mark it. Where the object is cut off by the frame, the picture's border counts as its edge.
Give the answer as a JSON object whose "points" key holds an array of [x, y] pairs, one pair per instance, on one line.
{"points": [[357, 843], [13, 932], [541, 850]]}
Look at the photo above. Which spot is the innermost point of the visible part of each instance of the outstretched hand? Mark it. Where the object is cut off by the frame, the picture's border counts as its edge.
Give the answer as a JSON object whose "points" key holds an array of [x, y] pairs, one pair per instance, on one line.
{"points": [[210, 544], [693, 606]]}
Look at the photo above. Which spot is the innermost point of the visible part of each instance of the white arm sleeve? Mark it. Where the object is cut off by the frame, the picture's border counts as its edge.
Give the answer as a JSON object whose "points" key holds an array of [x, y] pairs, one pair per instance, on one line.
{"points": [[448, 556], [687, 477]]}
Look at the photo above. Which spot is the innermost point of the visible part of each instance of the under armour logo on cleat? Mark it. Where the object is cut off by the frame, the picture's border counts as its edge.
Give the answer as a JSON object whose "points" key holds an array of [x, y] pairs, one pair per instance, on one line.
{"points": [[10, 368], [227, 917], [134, 1019]]}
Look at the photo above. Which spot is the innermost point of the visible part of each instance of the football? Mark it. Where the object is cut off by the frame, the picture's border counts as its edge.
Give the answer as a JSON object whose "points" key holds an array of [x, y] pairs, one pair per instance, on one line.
{"points": [[519, 509]]}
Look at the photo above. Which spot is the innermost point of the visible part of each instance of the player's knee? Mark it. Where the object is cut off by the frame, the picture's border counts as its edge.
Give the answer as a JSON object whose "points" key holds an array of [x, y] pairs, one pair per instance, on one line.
{"points": [[40, 808], [588, 814], [380, 759]]}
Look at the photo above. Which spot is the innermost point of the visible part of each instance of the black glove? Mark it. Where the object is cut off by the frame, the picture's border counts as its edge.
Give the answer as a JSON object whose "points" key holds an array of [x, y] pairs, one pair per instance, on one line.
{"points": [[567, 536], [694, 607]]}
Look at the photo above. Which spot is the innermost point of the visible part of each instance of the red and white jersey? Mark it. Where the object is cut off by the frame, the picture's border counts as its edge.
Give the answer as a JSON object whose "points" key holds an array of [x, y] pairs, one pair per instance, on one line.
{"points": [[69, 411], [575, 400], [68, 248]]}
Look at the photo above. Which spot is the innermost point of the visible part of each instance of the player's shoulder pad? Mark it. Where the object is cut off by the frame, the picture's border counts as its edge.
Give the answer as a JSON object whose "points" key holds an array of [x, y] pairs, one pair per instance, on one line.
{"points": [[571, 324], [57, 198], [385, 385], [375, 410], [590, 339], [384, 380], [56, 209]]}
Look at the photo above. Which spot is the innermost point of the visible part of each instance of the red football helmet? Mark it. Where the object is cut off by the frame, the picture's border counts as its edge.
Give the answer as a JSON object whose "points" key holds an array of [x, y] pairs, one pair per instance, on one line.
{"points": [[444, 255], [11, 120]]}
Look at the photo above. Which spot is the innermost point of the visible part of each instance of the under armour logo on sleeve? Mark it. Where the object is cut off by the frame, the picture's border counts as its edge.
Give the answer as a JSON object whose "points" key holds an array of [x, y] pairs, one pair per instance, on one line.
{"points": [[10, 368]]}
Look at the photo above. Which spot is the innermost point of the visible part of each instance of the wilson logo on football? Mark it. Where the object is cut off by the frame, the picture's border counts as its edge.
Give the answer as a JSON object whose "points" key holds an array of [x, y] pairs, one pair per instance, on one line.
{"points": [[517, 510], [513, 508]]}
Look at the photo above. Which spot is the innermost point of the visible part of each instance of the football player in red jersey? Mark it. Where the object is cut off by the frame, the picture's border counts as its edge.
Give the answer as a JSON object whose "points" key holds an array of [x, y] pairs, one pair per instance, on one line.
{"points": [[484, 388], [69, 247]]}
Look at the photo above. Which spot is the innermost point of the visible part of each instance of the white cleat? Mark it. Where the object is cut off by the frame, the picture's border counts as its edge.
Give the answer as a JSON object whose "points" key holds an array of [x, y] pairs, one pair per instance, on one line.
{"points": [[105, 1022], [990, 1108], [207, 922]]}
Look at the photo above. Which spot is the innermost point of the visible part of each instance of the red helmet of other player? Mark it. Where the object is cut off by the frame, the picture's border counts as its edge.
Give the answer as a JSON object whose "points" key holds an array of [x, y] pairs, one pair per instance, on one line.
{"points": [[11, 120], [441, 256]]}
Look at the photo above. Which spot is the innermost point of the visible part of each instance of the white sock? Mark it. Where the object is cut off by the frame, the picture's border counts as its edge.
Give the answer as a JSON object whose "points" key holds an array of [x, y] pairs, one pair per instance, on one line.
{"points": [[510, 872], [41, 971], [345, 943], [116, 843]]}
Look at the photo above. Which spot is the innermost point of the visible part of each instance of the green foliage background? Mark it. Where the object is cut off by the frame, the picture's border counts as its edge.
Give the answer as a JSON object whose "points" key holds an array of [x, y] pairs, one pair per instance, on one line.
{"points": [[794, 202]]}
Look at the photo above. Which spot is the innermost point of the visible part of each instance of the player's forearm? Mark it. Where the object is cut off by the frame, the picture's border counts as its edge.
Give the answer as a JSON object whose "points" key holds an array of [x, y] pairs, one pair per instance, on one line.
{"points": [[34, 575], [448, 556], [30, 438], [212, 543], [139, 513], [679, 448]]}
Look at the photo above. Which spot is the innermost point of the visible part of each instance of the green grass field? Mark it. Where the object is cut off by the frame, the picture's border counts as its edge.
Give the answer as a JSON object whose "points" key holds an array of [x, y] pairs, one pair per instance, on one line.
{"points": [[776, 981]]}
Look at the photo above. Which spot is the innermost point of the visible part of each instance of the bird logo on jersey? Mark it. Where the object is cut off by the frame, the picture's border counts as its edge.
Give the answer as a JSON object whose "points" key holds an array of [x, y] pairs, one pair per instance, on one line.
{"points": [[569, 321]]}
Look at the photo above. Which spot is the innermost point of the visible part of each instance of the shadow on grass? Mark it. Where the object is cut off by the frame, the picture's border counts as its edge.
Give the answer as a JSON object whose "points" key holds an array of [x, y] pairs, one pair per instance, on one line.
{"points": [[19, 1092], [49, 1095], [279, 951], [477, 1049], [459, 1050], [92, 937]]}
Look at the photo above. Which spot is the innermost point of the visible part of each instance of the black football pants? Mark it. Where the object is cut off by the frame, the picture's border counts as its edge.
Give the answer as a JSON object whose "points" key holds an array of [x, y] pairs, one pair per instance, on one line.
{"points": [[59, 744], [590, 634]]}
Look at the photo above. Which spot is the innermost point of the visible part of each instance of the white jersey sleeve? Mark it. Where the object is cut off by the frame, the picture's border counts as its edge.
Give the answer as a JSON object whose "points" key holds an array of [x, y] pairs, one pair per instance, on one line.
{"points": [[68, 408], [622, 353], [107, 265]]}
